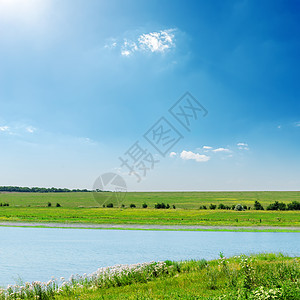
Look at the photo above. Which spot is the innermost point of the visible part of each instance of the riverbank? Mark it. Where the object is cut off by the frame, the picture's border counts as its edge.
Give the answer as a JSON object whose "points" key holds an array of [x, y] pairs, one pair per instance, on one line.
{"points": [[263, 276], [152, 227]]}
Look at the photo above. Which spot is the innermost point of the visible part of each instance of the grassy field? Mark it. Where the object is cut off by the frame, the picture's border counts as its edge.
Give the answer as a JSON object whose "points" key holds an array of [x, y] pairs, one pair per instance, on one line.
{"points": [[82, 208], [257, 277], [184, 200]]}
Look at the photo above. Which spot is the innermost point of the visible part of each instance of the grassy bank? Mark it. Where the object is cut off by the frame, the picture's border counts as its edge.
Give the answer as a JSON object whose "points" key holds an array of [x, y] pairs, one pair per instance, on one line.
{"points": [[265, 276]]}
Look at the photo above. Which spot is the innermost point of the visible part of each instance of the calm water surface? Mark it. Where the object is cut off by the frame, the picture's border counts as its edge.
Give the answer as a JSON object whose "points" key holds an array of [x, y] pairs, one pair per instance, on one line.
{"points": [[39, 253]]}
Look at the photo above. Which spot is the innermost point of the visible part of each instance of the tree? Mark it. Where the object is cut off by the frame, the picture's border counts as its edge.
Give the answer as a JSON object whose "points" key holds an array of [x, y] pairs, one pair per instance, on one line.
{"points": [[239, 207], [258, 206], [295, 205], [58, 205], [132, 205], [212, 206], [221, 206], [144, 205]]}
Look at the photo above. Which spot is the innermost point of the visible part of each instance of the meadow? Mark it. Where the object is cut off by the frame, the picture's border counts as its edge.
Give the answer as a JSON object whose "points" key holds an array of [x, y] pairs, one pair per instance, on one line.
{"points": [[82, 208], [183, 200], [257, 277]]}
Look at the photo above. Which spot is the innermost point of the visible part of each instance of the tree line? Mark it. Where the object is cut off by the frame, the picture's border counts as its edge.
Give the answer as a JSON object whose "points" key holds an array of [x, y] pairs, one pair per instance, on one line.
{"points": [[20, 189]]}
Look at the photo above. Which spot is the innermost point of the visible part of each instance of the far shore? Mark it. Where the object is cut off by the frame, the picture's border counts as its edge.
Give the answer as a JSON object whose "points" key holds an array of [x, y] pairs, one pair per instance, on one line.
{"points": [[151, 227]]}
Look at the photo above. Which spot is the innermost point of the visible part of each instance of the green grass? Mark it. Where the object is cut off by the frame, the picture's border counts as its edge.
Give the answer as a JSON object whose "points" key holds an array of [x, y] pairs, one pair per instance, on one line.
{"points": [[184, 200], [82, 208], [257, 277], [150, 216]]}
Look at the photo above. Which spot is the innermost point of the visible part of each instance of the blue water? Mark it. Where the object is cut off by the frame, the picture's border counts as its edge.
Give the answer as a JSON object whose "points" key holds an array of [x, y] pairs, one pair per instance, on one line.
{"points": [[39, 253]]}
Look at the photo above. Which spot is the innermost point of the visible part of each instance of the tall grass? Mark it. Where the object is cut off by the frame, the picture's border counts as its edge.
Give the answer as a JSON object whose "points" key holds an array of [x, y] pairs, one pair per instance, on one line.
{"points": [[264, 276]]}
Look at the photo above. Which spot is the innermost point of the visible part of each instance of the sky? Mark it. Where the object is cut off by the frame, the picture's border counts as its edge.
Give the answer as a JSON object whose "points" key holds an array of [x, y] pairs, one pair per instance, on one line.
{"points": [[92, 87]]}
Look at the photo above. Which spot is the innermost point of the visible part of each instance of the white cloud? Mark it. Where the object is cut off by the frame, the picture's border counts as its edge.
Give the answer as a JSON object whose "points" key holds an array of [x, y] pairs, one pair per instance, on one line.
{"points": [[157, 41], [207, 147], [187, 155], [173, 154], [221, 150], [4, 128], [243, 146], [30, 129]]}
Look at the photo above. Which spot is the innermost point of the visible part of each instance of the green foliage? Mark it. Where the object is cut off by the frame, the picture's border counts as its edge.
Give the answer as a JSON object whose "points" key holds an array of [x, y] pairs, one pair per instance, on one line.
{"points": [[258, 206], [110, 205], [295, 205], [18, 189], [239, 207], [258, 277], [277, 206], [161, 206], [49, 204], [212, 206], [144, 205], [132, 205], [58, 205]]}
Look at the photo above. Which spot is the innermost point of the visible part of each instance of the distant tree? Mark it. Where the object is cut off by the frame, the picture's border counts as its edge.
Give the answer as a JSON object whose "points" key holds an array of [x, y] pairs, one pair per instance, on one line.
{"points": [[202, 207], [258, 206], [58, 205], [174, 207], [123, 205], [167, 206], [277, 206], [239, 207], [233, 206], [110, 205], [245, 207], [132, 205], [295, 205], [212, 206], [49, 204], [144, 205], [221, 206]]}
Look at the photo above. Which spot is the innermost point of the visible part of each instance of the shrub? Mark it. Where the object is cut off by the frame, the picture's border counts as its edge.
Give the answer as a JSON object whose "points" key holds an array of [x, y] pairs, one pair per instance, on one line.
{"points": [[239, 207], [122, 205], [221, 206], [212, 206], [202, 207], [233, 206], [58, 205], [277, 206], [132, 205], [161, 205], [295, 205], [174, 207], [144, 205], [258, 206], [110, 205], [49, 204]]}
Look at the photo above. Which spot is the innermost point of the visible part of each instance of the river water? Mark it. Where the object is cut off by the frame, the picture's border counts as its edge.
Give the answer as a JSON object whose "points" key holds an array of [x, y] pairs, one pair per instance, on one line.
{"points": [[39, 253]]}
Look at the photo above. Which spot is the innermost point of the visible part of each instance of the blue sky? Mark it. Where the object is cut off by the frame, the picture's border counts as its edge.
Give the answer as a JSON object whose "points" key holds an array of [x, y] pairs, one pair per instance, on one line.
{"points": [[82, 81]]}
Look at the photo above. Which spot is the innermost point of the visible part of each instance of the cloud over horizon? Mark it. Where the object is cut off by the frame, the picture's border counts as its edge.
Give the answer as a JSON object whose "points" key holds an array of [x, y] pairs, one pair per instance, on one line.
{"points": [[189, 155]]}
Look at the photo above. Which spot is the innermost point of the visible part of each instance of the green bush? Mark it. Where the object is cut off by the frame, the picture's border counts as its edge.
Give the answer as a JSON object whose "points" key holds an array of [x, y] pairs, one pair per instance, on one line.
{"points": [[144, 205], [277, 206], [110, 205], [239, 207], [258, 206], [212, 206], [58, 205], [132, 205]]}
